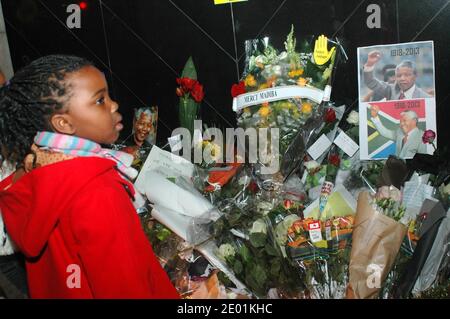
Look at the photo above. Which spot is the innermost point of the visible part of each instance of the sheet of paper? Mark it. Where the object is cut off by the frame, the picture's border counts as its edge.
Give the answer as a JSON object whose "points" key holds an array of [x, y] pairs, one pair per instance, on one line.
{"points": [[166, 164], [345, 142], [319, 147]]}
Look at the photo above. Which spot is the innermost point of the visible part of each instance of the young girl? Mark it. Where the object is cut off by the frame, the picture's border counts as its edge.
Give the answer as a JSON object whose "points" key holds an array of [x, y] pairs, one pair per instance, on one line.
{"points": [[68, 206]]}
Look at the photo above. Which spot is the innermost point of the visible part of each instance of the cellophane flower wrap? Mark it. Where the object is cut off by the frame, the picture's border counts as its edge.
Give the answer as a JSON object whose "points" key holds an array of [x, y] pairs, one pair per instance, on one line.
{"points": [[320, 245], [284, 90]]}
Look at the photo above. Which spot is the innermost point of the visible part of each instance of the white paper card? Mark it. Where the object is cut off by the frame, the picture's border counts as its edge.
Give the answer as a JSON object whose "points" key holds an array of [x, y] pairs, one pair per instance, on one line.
{"points": [[175, 143], [345, 142], [414, 195], [319, 147], [166, 164]]}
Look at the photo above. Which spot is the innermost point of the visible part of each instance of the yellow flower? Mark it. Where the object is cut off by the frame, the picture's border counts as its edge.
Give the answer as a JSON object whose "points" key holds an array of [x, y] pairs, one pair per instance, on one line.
{"points": [[263, 86], [250, 80], [302, 81], [306, 108], [295, 73], [264, 110]]}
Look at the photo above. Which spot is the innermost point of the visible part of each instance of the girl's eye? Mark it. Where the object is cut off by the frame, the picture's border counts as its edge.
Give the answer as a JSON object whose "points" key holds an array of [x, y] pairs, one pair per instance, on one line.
{"points": [[100, 100]]}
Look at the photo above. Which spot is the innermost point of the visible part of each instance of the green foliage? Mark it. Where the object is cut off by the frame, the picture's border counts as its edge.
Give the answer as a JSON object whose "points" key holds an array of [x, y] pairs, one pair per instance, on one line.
{"points": [[189, 70]]}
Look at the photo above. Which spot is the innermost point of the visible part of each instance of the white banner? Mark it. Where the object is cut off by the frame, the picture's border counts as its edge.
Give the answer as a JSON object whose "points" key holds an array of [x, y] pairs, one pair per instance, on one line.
{"points": [[275, 94]]}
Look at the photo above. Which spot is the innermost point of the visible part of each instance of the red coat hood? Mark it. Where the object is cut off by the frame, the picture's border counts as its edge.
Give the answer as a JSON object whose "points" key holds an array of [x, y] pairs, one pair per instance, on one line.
{"points": [[32, 206]]}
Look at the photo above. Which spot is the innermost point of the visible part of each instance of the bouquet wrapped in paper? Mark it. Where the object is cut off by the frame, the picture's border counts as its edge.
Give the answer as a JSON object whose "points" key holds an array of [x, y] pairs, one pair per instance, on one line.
{"points": [[377, 237]]}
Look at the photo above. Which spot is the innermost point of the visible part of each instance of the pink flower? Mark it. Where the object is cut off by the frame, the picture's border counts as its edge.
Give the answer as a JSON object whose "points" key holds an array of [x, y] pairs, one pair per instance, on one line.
{"points": [[428, 137]]}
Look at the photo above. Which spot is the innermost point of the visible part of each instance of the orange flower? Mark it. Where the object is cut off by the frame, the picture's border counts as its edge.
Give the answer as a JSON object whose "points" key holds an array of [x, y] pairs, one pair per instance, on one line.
{"points": [[270, 81], [250, 80], [306, 108], [295, 73], [302, 81], [264, 110]]}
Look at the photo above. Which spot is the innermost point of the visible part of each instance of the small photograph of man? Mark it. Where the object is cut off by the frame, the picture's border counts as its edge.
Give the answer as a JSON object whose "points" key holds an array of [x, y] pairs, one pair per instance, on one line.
{"points": [[404, 86], [407, 138]]}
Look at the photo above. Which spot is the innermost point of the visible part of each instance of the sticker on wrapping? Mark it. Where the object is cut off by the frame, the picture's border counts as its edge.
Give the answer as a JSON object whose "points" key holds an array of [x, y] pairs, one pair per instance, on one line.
{"points": [[319, 147], [315, 232], [321, 53]]}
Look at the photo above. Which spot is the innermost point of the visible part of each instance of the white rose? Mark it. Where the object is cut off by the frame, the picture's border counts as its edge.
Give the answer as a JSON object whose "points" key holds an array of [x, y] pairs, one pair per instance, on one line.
{"points": [[259, 226], [277, 70], [353, 118], [226, 250], [264, 207], [260, 59], [311, 165], [446, 189]]}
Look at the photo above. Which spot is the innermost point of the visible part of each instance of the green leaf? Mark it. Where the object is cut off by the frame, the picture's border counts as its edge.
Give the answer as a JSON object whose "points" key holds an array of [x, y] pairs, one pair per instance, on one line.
{"points": [[245, 253], [237, 267], [258, 239], [275, 268], [260, 275], [189, 70], [270, 250]]}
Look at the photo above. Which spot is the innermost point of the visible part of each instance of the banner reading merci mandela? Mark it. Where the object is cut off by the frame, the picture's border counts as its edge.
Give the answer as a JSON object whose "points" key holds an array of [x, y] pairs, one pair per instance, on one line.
{"points": [[279, 93]]}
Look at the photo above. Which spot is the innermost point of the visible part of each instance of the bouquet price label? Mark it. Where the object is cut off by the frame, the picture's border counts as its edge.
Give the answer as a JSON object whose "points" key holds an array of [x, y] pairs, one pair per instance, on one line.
{"points": [[315, 232]]}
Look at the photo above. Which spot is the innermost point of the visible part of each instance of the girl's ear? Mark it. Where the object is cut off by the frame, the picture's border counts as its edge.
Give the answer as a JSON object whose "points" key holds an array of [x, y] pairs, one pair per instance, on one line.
{"points": [[62, 123]]}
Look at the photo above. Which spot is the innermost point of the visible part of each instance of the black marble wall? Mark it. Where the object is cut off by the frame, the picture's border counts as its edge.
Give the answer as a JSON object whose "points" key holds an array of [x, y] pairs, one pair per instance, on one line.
{"points": [[142, 45]]}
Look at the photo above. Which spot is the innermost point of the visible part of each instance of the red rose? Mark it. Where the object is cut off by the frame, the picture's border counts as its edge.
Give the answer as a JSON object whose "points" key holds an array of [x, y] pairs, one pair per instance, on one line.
{"points": [[428, 137], [334, 160], [330, 115], [197, 92], [187, 83], [253, 187], [238, 89]]}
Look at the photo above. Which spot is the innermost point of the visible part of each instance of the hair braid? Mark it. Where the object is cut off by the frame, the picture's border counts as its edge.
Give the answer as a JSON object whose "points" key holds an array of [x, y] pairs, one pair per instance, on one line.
{"points": [[29, 99]]}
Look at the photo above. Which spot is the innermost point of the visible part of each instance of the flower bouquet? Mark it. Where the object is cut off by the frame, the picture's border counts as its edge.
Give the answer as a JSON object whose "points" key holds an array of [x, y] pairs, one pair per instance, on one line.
{"points": [[284, 91], [377, 237], [191, 94], [320, 246], [248, 246]]}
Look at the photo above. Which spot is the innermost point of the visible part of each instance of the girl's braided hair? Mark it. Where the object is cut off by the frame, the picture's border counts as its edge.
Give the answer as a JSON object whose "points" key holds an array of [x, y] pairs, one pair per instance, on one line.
{"points": [[29, 99]]}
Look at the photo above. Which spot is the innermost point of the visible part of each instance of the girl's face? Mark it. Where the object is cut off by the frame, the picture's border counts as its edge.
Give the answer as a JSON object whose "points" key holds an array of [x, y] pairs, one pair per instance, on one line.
{"points": [[90, 112]]}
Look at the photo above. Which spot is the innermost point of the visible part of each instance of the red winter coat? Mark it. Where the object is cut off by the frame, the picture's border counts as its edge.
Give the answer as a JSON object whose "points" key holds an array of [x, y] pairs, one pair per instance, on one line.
{"points": [[77, 226]]}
